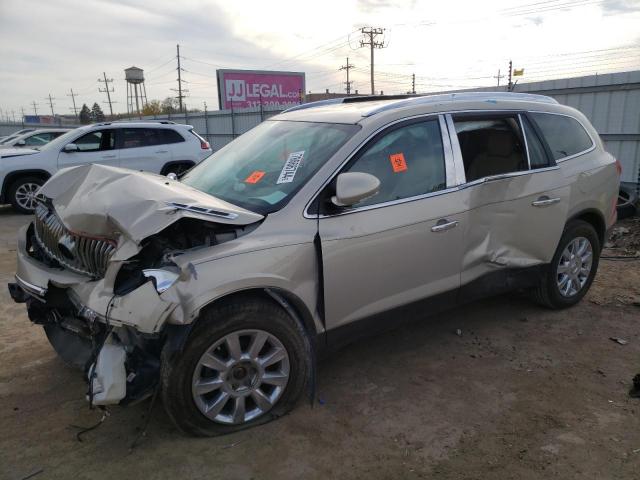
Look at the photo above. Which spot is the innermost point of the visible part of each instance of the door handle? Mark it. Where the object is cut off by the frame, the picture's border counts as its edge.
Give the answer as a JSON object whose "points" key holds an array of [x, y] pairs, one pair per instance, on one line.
{"points": [[443, 225], [109, 156], [162, 151], [545, 202]]}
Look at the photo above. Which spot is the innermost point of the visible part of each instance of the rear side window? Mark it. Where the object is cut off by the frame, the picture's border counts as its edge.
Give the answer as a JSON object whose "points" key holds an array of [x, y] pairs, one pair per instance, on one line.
{"points": [[141, 137], [408, 161], [171, 136], [564, 135], [537, 155], [490, 146]]}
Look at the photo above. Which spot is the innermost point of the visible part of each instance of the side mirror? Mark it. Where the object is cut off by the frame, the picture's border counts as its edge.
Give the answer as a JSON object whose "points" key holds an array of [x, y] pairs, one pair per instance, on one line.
{"points": [[353, 187], [21, 143], [172, 176], [70, 147]]}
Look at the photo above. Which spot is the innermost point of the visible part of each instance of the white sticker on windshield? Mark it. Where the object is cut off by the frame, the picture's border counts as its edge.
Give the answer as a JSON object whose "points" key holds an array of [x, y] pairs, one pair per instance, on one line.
{"points": [[290, 167]]}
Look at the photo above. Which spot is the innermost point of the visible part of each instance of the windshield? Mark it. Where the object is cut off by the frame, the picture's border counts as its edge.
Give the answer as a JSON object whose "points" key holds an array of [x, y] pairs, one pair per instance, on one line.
{"points": [[262, 169], [62, 140]]}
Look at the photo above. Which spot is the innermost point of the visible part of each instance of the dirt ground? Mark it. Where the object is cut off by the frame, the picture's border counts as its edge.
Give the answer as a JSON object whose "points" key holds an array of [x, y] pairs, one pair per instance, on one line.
{"points": [[522, 393]]}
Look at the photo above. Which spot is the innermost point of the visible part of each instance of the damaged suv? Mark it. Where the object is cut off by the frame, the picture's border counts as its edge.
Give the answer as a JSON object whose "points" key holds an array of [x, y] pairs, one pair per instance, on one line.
{"points": [[334, 218]]}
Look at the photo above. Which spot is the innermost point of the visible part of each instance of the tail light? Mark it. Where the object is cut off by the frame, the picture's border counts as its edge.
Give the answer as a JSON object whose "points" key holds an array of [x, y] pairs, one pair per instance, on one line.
{"points": [[204, 145], [618, 167]]}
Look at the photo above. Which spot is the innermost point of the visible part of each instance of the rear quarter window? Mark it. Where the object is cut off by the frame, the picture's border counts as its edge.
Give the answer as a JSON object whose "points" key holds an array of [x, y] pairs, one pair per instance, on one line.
{"points": [[564, 135]]}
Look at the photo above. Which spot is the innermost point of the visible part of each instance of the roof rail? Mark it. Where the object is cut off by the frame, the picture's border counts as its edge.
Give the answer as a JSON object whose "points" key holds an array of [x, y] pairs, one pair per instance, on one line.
{"points": [[489, 97], [420, 99], [141, 120], [358, 99]]}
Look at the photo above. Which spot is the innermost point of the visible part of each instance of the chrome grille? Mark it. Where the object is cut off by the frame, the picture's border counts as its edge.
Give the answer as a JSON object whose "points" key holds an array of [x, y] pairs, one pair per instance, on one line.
{"points": [[81, 254]]}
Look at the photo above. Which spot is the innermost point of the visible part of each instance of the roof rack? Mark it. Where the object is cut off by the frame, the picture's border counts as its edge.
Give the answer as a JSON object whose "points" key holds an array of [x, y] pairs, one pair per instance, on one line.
{"points": [[163, 122], [358, 99], [411, 99]]}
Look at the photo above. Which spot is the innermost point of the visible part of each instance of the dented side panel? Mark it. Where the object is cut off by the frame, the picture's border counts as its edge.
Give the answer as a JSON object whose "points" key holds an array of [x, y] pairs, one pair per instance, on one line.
{"points": [[506, 230]]}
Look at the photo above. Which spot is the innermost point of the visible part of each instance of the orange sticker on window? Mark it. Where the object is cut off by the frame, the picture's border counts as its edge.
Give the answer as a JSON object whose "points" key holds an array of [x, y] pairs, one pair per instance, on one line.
{"points": [[255, 177], [397, 162]]}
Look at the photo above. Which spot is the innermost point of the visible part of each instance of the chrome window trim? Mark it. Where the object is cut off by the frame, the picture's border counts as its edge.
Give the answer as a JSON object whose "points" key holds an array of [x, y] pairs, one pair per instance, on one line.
{"points": [[507, 175], [461, 175], [450, 173], [583, 152], [359, 147], [524, 137]]}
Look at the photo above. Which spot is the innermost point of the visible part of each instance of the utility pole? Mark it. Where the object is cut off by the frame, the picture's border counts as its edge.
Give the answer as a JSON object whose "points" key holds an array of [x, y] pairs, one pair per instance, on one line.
{"points": [[35, 108], [510, 84], [23, 115], [51, 105], [498, 77], [348, 67], [107, 90], [73, 99], [179, 89], [413, 83], [13, 114], [372, 33]]}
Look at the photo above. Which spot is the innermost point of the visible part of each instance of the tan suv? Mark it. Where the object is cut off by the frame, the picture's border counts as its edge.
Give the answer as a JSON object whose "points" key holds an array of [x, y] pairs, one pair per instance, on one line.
{"points": [[334, 218]]}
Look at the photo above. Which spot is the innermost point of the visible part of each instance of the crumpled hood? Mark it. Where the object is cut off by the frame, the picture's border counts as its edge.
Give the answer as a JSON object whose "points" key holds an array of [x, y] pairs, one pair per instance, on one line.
{"points": [[14, 152], [100, 200]]}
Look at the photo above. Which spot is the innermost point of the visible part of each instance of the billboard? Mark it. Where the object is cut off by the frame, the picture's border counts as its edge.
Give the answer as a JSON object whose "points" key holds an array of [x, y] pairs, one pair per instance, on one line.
{"points": [[239, 89]]}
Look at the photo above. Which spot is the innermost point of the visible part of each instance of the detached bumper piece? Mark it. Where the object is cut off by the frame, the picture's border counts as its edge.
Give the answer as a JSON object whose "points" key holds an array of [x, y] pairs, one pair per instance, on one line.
{"points": [[107, 376]]}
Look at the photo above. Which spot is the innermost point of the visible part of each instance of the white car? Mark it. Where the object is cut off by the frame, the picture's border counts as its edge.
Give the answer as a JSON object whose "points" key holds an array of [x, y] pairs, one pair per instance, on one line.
{"points": [[10, 137], [158, 147], [32, 139]]}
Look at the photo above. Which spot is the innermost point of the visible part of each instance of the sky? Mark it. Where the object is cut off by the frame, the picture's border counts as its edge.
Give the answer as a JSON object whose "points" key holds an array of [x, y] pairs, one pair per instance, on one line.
{"points": [[50, 47]]}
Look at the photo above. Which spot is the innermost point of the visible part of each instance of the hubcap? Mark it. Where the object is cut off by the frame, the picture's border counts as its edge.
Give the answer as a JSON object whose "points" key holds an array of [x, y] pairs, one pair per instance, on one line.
{"points": [[240, 377], [574, 266], [26, 195]]}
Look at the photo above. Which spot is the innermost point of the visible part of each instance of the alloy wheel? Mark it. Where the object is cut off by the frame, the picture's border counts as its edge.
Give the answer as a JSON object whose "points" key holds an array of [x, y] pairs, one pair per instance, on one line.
{"points": [[574, 266], [240, 377]]}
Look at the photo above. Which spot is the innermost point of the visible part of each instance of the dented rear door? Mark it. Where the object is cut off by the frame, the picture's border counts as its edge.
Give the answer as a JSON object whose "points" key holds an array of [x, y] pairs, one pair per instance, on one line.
{"points": [[515, 219]]}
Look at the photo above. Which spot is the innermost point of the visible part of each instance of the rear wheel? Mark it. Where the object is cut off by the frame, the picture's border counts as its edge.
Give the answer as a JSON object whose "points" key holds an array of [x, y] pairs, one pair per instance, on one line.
{"points": [[626, 205], [245, 363], [573, 267], [22, 193]]}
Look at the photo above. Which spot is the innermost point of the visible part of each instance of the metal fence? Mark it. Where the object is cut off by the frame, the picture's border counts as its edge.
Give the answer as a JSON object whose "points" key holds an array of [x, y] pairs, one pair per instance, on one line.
{"points": [[220, 127]]}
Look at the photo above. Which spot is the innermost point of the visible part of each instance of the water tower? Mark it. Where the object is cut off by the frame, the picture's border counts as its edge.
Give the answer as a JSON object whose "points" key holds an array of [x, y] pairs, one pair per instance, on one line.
{"points": [[136, 91]]}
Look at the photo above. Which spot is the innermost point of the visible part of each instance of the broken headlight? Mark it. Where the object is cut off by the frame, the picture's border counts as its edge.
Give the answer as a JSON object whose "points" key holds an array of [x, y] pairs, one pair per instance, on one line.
{"points": [[162, 278]]}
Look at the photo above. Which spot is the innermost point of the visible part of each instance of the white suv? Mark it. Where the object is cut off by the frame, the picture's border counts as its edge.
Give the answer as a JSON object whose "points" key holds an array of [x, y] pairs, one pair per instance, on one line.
{"points": [[158, 147]]}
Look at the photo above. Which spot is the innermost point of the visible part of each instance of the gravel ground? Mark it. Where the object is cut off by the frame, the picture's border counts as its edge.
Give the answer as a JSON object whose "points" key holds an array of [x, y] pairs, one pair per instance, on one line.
{"points": [[522, 393]]}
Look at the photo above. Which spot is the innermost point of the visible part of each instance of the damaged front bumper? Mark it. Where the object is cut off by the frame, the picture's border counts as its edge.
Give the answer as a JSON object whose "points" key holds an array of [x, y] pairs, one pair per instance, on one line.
{"points": [[116, 340]]}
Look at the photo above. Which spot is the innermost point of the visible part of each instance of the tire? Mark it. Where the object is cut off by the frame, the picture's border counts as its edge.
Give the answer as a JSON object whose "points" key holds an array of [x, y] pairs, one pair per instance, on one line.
{"points": [[229, 320], [21, 193], [627, 199], [548, 292], [176, 167]]}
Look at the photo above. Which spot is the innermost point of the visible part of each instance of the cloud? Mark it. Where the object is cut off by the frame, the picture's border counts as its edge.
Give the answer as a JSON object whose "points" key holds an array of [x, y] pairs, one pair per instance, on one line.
{"points": [[617, 7]]}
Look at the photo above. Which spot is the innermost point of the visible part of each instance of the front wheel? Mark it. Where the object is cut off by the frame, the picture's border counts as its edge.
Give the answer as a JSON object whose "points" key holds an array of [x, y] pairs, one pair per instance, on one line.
{"points": [[573, 267], [22, 193], [245, 363]]}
